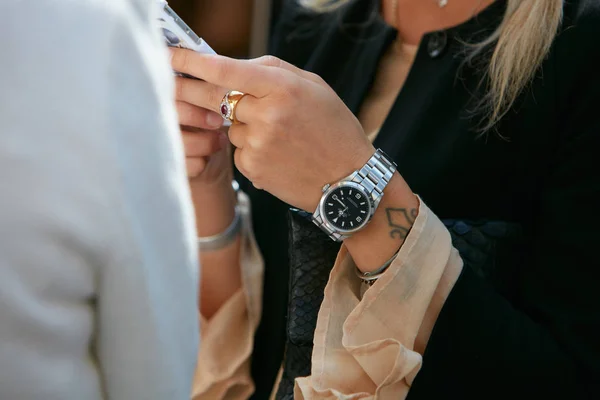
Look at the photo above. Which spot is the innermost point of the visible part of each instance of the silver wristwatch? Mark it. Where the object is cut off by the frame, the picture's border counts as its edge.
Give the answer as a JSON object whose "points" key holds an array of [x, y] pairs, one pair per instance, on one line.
{"points": [[347, 206]]}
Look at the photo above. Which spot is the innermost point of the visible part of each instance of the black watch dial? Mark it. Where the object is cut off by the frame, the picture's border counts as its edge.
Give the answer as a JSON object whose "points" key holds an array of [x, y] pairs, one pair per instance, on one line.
{"points": [[346, 208]]}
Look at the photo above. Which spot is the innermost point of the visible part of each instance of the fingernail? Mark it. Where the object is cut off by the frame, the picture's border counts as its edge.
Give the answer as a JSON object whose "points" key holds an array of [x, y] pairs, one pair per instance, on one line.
{"points": [[214, 120]]}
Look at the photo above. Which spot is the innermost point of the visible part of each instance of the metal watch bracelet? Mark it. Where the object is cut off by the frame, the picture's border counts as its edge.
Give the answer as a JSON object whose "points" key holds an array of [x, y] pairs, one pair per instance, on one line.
{"points": [[373, 177]]}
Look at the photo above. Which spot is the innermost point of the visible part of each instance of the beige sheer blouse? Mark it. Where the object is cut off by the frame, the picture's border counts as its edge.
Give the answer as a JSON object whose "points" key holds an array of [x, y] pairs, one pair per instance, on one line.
{"points": [[369, 340]]}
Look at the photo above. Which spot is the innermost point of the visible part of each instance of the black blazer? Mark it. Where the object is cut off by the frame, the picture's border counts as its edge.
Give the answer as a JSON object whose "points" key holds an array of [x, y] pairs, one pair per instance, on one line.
{"points": [[539, 331]]}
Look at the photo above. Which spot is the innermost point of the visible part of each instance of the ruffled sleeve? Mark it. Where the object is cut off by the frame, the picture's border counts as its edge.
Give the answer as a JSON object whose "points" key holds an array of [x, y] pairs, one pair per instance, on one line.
{"points": [[223, 369], [369, 344]]}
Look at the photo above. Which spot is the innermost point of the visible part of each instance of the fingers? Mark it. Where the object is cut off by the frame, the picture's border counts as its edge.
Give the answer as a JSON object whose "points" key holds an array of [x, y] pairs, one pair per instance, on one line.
{"points": [[270, 61], [202, 143], [195, 166], [200, 94], [197, 117], [198, 147], [204, 95], [237, 160], [240, 163], [252, 78], [242, 137], [237, 135]]}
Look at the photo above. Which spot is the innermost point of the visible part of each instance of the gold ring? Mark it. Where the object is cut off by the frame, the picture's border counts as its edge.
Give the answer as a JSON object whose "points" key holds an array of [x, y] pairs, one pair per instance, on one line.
{"points": [[229, 103]]}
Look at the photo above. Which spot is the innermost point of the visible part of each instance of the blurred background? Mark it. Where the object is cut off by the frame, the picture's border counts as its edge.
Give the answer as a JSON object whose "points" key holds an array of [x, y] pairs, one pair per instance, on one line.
{"points": [[236, 28]]}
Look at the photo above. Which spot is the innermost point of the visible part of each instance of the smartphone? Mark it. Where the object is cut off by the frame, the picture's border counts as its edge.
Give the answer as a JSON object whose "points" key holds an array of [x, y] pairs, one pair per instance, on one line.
{"points": [[177, 33]]}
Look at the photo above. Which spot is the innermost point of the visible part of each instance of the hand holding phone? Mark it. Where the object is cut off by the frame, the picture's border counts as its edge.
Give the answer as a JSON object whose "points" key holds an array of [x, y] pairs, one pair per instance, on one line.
{"points": [[178, 34]]}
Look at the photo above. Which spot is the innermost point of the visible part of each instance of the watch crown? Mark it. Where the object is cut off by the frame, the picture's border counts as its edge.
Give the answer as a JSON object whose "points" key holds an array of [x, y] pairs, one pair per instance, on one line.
{"points": [[326, 187]]}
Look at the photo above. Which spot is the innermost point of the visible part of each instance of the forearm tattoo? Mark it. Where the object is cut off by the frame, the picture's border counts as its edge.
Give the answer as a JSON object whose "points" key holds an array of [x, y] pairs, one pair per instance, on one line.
{"points": [[400, 221]]}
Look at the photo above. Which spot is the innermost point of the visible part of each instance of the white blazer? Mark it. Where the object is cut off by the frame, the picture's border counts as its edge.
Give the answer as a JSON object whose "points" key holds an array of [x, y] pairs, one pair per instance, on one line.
{"points": [[98, 265]]}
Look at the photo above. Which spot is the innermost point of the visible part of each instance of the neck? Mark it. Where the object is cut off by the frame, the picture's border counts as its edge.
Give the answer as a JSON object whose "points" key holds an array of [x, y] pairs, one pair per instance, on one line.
{"points": [[414, 18]]}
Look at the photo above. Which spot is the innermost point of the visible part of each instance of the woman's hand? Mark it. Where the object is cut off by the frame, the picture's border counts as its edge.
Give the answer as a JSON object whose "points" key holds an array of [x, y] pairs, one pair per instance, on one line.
{"points": [[209, 167], [295, 135], [210, 171], [205, 142]]}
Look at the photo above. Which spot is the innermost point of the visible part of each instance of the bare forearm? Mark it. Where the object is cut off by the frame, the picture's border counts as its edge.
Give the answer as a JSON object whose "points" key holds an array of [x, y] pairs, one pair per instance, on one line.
{"points": [[221, 274], [221, 277]]}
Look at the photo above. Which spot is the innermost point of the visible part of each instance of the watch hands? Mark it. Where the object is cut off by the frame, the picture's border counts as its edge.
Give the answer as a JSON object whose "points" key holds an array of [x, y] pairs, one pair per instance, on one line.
{"points": [[334, 197]]}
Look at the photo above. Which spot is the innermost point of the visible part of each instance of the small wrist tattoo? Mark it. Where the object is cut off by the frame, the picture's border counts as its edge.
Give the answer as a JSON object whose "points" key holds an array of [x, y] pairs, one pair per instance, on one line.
{"points": [[400, 221]]}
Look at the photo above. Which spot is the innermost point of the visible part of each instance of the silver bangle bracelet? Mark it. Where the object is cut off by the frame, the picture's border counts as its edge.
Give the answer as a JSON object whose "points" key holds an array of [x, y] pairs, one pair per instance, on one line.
{"points": [[371, 277], [220, 240]]}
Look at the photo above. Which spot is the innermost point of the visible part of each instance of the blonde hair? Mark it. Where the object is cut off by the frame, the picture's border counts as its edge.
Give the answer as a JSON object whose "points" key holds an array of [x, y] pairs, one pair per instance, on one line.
{"points": [[520, 44]]}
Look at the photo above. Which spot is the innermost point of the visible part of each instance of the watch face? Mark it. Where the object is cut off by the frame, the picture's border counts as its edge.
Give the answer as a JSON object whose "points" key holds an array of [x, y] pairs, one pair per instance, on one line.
{"points": [[346, 208]]}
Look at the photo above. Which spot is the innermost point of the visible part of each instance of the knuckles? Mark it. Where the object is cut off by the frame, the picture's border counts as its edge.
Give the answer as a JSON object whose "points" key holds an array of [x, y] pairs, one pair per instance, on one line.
{"points": [[273, 116], [269, 61], [224, 68], [282, 109], [238, 160], [262, 142], [293, 91], [201, 144], [247, 162], [317, 79], [214, 96]]}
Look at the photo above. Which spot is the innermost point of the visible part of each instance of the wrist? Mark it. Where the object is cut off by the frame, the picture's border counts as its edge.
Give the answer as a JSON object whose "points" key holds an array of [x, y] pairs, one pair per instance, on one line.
{"points": [[341, 171], [214, 206], [222, 239], [378, 241]]}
